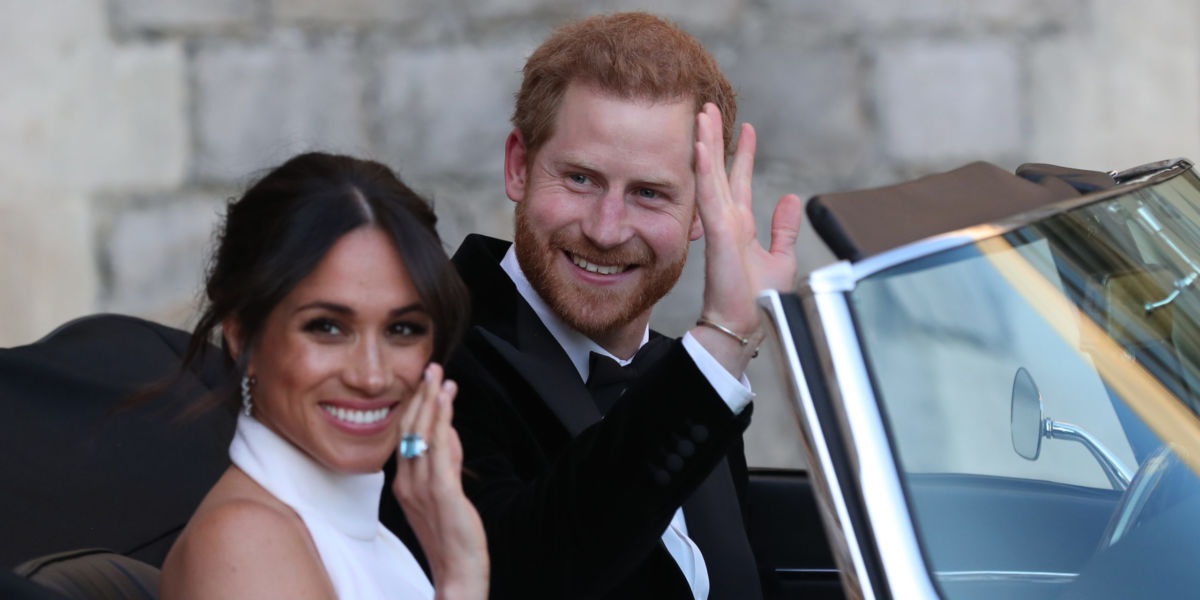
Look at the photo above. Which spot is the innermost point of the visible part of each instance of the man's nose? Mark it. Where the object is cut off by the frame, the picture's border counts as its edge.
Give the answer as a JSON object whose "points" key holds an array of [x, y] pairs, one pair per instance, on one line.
{"points": [[604, 225]]}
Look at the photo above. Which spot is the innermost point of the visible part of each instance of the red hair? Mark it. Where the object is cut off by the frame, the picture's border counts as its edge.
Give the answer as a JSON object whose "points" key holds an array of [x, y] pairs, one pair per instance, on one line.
{"points": [[631, 55]]}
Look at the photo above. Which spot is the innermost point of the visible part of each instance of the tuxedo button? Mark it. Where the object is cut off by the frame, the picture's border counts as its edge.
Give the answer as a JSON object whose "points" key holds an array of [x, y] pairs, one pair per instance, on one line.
{"points": [[674, 463], [662, 477], [685, 448], [699, 434]]}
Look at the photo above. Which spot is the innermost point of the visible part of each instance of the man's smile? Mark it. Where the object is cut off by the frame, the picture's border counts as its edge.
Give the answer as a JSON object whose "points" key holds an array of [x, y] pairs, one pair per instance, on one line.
{"points": [[592, 267]]}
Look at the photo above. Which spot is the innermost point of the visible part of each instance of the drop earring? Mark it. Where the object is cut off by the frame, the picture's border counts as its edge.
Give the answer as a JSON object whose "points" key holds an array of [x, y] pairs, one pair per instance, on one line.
{"points": [[248, 382]]}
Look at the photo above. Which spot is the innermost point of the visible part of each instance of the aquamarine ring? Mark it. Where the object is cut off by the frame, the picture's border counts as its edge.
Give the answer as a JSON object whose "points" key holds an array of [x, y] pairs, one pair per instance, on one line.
{"points": [[412, 446]]}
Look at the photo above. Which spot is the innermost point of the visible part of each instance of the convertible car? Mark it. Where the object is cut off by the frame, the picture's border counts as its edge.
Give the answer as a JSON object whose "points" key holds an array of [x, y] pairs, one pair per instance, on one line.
{"points": [[998, 383], [997, 388]]}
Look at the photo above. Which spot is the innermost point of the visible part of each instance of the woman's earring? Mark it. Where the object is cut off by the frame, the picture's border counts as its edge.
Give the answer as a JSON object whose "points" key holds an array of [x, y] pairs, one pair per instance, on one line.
{"points": [[248, 382]]}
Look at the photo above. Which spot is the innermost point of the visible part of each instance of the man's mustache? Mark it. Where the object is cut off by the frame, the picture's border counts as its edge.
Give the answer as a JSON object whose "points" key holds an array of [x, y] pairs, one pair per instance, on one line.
{"points": [[632, 252]]}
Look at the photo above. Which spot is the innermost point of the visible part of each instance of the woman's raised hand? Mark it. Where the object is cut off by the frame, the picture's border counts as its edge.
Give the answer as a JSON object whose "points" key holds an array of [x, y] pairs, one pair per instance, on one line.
{"points": [[429, 489]]}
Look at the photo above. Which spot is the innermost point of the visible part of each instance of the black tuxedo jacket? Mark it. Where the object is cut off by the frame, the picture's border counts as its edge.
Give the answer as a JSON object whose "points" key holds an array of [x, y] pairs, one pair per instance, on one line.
{"points": [[575, 505]]}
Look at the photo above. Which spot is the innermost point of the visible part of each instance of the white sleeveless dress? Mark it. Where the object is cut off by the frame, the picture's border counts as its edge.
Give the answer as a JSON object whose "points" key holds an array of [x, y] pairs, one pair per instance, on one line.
{"points": [[341, 511]]}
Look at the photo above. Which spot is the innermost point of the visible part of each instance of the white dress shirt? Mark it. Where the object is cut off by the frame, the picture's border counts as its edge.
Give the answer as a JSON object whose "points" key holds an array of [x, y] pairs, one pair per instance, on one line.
{"points": [[736, 394]]}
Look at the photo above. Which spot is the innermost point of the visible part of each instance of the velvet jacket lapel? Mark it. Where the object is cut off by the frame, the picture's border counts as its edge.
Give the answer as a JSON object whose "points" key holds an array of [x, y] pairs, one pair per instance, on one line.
{"points": [[508, 323]]}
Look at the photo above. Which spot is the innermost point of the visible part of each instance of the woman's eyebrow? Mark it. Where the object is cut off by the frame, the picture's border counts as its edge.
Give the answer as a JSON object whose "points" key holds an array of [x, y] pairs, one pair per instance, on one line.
{"points": [[414, 307], [342, 309], [325, 305]]}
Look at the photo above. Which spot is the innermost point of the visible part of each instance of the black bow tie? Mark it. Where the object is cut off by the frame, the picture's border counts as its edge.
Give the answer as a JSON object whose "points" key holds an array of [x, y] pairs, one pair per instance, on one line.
{"points": [[608, 380]]}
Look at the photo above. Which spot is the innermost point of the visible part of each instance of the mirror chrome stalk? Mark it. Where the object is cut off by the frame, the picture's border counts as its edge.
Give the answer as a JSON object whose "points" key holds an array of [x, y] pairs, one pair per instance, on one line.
{"points": [[1118, 474]]}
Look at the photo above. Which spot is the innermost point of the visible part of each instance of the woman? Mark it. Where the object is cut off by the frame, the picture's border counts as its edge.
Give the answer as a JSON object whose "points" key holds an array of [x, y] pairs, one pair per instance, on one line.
{"points": [[333, 294]]}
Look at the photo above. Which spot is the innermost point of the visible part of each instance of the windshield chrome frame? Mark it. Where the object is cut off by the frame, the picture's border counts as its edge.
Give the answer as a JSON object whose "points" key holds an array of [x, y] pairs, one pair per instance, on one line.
{"points": [[860, 421], [841, 533]]}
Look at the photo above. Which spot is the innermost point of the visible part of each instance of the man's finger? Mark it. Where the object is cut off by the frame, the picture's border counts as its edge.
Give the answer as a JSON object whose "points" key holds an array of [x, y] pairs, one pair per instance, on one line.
{"points": [[714, 137], [785, 224], [741, 172], [705, 192]]}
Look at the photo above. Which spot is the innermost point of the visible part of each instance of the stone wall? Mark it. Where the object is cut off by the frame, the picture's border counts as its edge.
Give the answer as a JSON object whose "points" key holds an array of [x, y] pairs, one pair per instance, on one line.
{"points": [[127, 123]]}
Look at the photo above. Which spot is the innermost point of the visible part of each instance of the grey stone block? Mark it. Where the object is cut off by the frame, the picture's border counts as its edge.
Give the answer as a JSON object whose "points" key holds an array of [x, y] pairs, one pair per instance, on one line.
{"points": [[875, 15], [507, 9], [935, 16], [807, 106], [944, 102], [78, 111], [257, 104], [155, 251], [695, 16], [349, 12], [1116, 97], [824, 10], [48, 275], [139, 132], [466, 205], [1028, 15], [810, 22], [445, 110], [188, 16]]}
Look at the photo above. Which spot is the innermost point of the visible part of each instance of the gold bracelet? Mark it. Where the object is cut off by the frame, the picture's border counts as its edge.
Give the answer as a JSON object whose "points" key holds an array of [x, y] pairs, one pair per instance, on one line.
{"points": [[723, 329]]}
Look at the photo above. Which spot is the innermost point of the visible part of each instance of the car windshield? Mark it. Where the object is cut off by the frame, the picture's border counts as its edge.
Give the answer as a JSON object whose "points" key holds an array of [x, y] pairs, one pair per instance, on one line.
{"points": [[1040, 388]]}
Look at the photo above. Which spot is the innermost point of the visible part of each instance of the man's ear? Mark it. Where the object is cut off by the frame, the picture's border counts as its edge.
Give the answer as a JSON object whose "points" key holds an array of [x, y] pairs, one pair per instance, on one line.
{"points": [[231, 330], [697, 230], [516, 166]]}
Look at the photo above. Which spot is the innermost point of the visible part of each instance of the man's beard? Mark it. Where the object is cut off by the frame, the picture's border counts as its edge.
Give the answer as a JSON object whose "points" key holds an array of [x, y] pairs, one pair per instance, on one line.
{"points": [[592, 310]]}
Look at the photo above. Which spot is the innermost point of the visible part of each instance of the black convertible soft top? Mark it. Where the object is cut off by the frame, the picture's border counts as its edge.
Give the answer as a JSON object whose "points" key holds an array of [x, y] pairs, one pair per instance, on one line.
{"points": [[79, 471], [861, 223]]}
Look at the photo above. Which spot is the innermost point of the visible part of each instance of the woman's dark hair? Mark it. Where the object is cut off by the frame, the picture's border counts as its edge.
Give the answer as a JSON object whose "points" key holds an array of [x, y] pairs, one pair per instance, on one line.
{"points": [[277, 232]]}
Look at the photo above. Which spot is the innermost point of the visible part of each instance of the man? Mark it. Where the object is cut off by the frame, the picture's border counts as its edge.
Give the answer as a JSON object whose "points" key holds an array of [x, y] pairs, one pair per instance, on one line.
{"points": [[616, 162]]}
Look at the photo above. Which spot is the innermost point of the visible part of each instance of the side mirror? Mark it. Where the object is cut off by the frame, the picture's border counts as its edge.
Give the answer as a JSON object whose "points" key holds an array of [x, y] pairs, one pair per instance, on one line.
{"points": [[1026, 418], [1028, 429]]}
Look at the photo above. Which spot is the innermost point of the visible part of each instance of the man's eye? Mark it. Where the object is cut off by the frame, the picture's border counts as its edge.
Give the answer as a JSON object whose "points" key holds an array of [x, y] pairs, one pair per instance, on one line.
{"points": [[578, 178], [323, 326], [647, 193]]}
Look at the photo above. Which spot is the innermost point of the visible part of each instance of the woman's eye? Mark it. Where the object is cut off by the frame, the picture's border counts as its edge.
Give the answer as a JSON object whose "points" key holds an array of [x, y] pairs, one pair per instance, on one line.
{"points": [[323, 327], [408, 329]]}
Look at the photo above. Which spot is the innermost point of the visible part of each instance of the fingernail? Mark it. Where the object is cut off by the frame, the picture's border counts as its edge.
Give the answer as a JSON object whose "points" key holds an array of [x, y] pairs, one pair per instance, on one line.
{"points": [[428, 375]]}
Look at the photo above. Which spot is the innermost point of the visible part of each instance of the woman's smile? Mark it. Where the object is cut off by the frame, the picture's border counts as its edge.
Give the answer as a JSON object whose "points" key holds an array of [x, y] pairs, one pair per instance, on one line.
{"points": [[342, 354]]}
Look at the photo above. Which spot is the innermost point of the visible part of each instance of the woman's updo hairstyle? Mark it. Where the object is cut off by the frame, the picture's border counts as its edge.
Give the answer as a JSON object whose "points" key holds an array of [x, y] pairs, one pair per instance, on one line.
{"points": [[281, 228]]}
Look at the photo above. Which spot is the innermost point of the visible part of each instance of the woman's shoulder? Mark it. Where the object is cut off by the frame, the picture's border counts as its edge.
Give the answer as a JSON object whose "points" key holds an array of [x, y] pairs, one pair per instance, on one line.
{"points": [[243, 543], [237, 504], [240, 521]]}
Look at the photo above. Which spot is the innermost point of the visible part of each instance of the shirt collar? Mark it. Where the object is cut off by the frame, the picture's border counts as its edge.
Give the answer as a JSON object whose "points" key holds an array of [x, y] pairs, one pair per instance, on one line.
{"points": [[347, 501], [577, 345]]}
